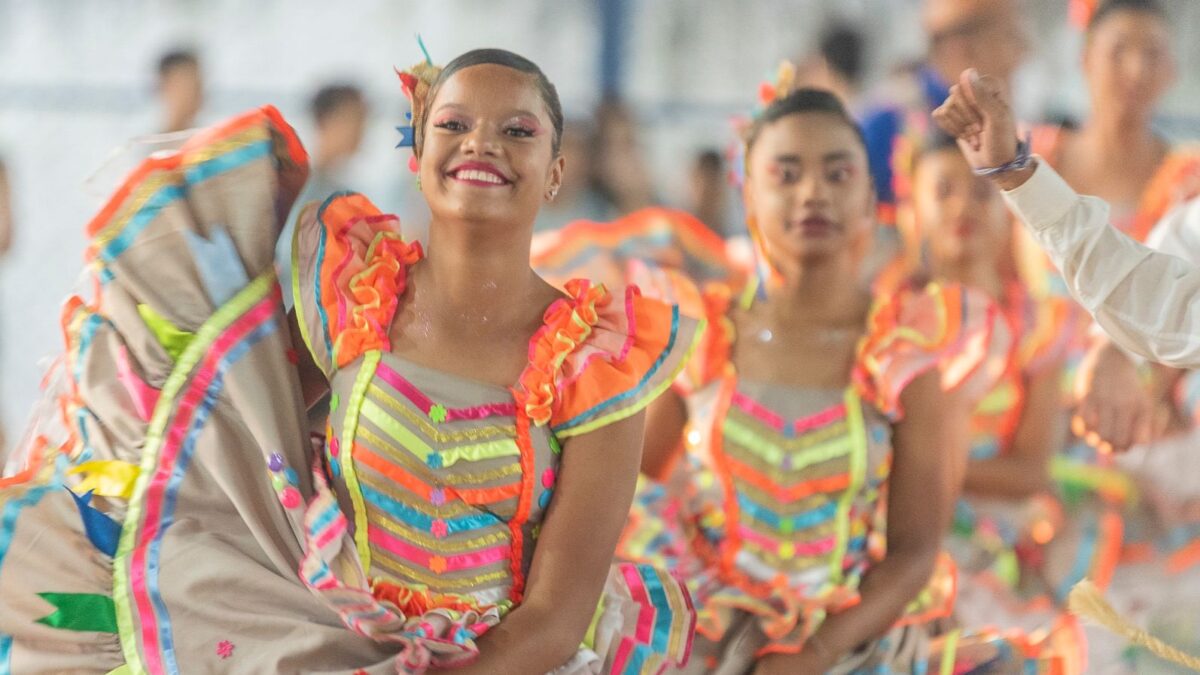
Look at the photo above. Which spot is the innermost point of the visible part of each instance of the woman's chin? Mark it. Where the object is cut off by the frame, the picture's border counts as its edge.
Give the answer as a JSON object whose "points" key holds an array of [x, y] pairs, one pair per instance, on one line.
{"points": [[819, 249], [487, 212]]}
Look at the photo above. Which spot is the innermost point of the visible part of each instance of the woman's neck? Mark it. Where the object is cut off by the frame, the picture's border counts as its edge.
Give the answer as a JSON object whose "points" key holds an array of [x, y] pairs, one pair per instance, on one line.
{"points": [[822, 291], [473, 276], [1113, 134], [975, 273]]}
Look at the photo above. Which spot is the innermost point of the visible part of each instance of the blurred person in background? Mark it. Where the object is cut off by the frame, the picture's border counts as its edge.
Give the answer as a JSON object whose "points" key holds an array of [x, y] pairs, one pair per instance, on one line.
{"points": [[1129, 65], [1143, 298], [1007, 516], [578, 198], [838, 65], [6, 211], [339, 113], [180, 89], [1116, 155], [983, 34], [709, 192], [620, 173], [6, 240]]}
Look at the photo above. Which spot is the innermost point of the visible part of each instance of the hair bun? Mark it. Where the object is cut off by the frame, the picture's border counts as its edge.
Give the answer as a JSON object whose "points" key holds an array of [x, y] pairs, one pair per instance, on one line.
{"points": [[417, 82]]}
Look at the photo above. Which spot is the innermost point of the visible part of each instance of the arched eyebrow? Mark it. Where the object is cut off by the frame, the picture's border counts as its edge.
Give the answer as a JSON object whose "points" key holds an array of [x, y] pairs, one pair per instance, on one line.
{"points": [[518, 112], [835, 156], [838, 156]]}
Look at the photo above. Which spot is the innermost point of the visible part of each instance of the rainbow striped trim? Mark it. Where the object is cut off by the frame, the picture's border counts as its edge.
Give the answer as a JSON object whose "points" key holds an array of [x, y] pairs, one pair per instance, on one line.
{"points": [[142, 617]]}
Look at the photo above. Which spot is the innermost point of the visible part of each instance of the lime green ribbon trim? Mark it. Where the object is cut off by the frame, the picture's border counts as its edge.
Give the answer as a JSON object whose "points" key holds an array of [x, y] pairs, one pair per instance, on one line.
{"points": [[773, 453], [858, 471], [163, 414], [949, 653], [362, 381]]}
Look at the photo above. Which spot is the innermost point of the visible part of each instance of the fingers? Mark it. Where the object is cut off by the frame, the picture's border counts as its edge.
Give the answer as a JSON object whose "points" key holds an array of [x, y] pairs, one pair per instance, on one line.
{"points": [[1096, 421], [1115, 425], [1120, 430], [954, 122], [960, 117], [1160, 420], [967, 110], [990, 93], [1079, 428], [1089, 415], [1143, 427], [967, 81], [981, 90], [956, 118], [949, 123]]}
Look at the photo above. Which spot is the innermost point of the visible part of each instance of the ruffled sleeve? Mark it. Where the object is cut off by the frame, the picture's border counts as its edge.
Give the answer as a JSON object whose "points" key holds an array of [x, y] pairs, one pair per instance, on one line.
{"points": [[711, 302], [712, 358], [959, 331], [1046, 330], [1176, 181], [349, 269], [601, 357]]}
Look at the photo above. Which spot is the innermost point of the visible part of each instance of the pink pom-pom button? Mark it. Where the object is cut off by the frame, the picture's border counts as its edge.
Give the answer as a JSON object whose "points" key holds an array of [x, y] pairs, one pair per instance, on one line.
{"points": [[290, 498]]}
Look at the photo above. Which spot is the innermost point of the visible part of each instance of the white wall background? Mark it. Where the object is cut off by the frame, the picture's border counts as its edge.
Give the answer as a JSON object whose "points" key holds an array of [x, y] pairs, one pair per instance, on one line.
{"points": [[75, 82]]}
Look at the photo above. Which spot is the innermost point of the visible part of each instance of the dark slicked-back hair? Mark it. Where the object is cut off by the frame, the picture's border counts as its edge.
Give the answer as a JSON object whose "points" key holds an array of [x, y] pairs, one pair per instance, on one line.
{"points": [[331, 97], [175, 59], [800, 102], [1108, 8], [499, 57]]}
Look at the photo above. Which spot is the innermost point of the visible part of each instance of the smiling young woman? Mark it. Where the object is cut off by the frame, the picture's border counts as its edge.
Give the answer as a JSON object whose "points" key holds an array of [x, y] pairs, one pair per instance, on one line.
{"points": [[461, 508]]}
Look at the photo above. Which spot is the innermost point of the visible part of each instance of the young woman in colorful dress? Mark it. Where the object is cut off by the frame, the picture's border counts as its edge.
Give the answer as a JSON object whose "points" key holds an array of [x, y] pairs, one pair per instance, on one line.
{"points": [[821, 453], [483, 438], [1008, 575]]}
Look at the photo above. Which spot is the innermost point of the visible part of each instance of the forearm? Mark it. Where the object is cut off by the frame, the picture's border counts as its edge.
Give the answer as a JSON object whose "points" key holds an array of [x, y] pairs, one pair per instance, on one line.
{"points": [[1164, 382], [665, 422], [1007, 477], [573, 556], [886, 590], [530, 639], [1148, 302]]}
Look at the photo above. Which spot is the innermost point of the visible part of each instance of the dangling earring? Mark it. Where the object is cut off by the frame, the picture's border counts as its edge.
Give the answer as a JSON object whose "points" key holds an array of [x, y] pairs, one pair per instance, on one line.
{"points": [[553, 194], [418, 182]]}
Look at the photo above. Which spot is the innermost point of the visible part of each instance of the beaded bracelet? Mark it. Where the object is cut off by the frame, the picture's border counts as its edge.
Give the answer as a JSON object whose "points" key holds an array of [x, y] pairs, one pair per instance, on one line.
{"points": [[1023, 159]]}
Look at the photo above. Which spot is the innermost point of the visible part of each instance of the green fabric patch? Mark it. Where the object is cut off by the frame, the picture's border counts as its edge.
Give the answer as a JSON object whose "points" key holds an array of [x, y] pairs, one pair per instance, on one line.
{"points": [[81, 612], [169, 336]]}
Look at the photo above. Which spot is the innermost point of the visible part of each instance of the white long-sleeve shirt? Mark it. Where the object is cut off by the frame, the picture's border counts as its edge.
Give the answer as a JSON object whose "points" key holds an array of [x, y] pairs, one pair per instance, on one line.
{"points": [[1147, 301], [1178, 233]]}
